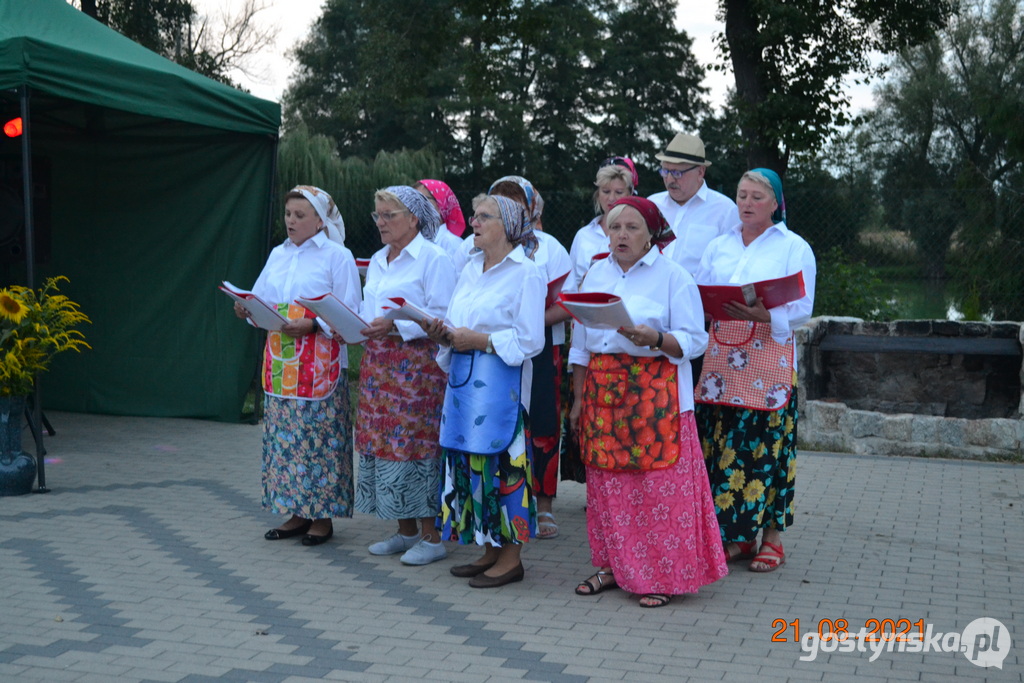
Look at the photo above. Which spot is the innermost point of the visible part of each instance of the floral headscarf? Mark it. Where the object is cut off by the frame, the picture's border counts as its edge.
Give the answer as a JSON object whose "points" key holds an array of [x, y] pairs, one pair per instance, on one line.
{"points": [[325, 208], [661, 234], [420, 207], [533, 200], [518, 228], [451, 212]]}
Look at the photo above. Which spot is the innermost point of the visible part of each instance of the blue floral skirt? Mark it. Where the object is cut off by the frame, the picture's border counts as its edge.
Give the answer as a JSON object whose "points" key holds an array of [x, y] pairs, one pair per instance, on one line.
{"points": [[307, 455], [489, 498]]}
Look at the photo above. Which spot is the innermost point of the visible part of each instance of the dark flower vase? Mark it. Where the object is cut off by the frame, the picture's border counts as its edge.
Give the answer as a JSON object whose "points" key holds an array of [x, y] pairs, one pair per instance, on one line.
{"points": [[17, 468]]}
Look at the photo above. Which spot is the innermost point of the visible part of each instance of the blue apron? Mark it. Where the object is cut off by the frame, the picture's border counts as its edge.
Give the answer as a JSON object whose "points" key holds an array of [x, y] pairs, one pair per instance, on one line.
{"points": [[481, 404]]}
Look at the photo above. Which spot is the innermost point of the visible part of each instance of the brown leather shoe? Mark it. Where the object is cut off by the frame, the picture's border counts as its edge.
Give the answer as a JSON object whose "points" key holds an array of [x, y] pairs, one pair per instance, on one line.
{"points": [[464, 571], [511, 576]]}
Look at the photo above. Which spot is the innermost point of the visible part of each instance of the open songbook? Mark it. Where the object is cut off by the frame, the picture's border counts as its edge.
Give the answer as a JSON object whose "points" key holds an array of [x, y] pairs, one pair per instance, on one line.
{"points": [[554, 289], [340, 317], [403, 310], [596, 309], [264, 315], [362, 264], [773, 293]]}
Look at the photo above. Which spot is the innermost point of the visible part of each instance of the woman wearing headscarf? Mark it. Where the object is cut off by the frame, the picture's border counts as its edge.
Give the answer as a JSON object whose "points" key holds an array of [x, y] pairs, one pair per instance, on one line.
{"points": [[616, 178], [400, 384], [447, 205], [545, 417], [650, 517], [750, 447], [494, 326], [307, 444]]}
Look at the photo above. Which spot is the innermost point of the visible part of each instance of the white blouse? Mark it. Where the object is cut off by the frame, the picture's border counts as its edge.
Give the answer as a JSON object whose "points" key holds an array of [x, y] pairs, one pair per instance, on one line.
{"points": [[707, 215], [447, 240], [316, 267], [553, 261], [422, 274], [777, 252], [658, 293], [506, 302], [590, 240]]}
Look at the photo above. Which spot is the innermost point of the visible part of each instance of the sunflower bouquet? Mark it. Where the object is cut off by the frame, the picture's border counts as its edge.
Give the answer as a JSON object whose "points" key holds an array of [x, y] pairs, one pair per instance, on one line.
{"points": [[34, 327]]}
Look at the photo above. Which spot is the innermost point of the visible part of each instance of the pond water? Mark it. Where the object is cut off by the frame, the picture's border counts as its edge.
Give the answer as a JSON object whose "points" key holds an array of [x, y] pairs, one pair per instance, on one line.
{"points": [[926, 300]]}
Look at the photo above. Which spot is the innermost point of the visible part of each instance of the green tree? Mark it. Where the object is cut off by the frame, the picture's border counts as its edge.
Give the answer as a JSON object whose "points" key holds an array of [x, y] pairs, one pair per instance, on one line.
{"points": [[949, 145], [539, 87], [174, 29], [790, 58]]}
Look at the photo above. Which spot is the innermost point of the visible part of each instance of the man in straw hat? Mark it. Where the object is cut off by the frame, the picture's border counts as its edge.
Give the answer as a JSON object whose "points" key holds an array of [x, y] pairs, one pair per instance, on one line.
{"points": [[696, 213]]}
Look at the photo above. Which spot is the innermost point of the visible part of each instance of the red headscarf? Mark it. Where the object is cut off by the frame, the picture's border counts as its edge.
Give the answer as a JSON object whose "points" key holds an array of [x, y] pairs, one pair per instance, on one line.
{"points": [[448, 206], [661, 233]]}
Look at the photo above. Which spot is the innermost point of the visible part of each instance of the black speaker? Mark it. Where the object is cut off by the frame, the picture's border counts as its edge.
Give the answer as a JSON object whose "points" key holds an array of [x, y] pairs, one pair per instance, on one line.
{"points": [[12, 209]]}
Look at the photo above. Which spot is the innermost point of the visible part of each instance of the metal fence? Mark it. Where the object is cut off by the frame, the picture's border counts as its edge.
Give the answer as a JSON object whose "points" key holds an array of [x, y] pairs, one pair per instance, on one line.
{"points": [[965, 261]]}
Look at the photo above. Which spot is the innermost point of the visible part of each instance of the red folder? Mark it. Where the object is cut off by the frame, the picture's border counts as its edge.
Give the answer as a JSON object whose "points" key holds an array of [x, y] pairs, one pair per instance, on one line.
{"points": [[773, 292]]}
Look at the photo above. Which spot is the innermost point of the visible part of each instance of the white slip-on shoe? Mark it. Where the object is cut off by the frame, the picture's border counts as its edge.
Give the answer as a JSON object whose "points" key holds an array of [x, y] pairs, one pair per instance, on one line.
{"points": [[424, 552], [395, 543]]}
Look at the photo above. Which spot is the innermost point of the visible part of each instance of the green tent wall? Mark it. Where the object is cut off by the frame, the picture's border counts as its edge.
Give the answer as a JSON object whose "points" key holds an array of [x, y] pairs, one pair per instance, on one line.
{"points": [[156, 186]]}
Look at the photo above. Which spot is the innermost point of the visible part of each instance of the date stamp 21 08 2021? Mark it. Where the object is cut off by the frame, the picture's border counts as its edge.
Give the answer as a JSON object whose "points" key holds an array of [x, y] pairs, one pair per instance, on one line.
{"points": [[984, 642]]}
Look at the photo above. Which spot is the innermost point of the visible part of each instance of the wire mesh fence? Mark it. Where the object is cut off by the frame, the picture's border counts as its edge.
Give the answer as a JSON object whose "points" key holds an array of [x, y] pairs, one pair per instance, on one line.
{"points": [[950, 268]]}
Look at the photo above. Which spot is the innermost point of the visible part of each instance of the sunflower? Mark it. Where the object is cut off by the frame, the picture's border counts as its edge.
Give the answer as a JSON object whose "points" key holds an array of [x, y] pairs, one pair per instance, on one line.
{"points": [[11, 307]]}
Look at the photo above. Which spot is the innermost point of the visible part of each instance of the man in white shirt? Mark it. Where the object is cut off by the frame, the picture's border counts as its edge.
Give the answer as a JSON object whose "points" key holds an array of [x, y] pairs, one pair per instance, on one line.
{"points": [[696, 213]]}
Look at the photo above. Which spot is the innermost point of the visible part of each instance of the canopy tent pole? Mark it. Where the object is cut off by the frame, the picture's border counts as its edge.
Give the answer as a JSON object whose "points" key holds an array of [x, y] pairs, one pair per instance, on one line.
{"points": [[30, 274]]}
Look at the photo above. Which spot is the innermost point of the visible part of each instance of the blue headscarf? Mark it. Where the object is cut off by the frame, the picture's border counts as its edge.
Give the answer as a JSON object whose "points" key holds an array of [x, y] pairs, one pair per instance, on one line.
{"points": [[534, 203], [776, 183], [419, 206], [518, 228]]}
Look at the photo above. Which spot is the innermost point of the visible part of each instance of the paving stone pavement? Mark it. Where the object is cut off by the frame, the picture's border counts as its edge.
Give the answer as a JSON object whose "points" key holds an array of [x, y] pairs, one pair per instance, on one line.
{"points": [[146, 562]]}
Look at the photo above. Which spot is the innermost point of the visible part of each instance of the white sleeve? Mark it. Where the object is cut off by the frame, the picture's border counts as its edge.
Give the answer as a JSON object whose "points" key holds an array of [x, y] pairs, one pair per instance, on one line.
{"points": [[787, 317], [525, 339]]}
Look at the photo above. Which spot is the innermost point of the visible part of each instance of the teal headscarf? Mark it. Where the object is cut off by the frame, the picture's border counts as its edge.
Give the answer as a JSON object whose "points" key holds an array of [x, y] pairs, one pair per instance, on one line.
{"points": [[776, 183]]}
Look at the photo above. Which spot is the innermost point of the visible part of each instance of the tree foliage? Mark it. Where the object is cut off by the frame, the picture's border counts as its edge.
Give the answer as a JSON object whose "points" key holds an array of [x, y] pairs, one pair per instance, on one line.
{"points": [[174, 29], [540, 87], [790, 59], [950, 152]]}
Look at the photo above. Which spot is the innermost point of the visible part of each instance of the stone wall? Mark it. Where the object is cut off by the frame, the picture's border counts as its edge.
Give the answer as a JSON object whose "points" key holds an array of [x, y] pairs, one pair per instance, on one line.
{"points": [[925, 404]]}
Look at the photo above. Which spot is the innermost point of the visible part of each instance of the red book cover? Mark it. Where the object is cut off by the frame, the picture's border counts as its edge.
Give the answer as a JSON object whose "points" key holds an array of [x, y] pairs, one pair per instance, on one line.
{"points": [[774, 293]]}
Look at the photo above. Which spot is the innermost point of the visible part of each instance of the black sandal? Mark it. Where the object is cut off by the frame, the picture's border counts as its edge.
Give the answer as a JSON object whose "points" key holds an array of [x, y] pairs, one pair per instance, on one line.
{"points": [[588, 588], [655, 600]]}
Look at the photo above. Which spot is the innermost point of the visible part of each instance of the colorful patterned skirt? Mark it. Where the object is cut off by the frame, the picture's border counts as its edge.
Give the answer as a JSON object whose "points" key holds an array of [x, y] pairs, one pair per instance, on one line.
{"points": [[307, 455], [656, 529], [751, 463], [545, 417], [400, 397], [489, 498]]}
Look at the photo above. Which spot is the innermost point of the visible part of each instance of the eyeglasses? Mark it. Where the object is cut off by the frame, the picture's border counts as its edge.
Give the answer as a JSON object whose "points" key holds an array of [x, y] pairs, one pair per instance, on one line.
{"points": [[481, 217], [664, 172], [387, 216]]}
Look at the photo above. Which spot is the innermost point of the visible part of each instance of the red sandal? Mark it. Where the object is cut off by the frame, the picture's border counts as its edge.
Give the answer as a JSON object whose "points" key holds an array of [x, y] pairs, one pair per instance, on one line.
{"points": [[773, 558], [745, 550]]}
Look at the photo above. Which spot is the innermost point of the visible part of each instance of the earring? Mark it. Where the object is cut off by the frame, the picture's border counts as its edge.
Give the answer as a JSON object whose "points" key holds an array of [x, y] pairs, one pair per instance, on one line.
{"points": [[648, 246]]}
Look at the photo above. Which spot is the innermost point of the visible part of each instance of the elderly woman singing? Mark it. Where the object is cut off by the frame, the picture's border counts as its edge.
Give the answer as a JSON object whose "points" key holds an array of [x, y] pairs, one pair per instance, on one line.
{"points": [[307, 441], [750, 441], [494, 326], [400, 384], [649, 515]]}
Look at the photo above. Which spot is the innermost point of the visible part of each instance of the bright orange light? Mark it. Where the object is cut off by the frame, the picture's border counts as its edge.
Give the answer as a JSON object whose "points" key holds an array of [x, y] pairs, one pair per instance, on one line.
{"points": [[12, 128]]}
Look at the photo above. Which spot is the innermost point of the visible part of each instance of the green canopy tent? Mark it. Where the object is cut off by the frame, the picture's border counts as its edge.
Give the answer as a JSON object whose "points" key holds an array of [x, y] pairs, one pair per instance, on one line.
{"points": [[149, 185]]}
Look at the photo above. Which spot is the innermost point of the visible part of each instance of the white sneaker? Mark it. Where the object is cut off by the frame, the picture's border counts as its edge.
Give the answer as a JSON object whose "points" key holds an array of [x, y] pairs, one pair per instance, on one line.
{"points": [[393, 544], [424, 552]]}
